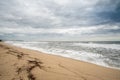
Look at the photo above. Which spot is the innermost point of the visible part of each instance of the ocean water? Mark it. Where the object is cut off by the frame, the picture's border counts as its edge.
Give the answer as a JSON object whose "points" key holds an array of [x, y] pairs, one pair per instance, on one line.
{"points": [[104, 53]]}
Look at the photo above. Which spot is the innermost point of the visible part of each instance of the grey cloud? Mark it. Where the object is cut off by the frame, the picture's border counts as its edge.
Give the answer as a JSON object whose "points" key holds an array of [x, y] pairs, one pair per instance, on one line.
{"points": [[47, 14], [73, 14]]}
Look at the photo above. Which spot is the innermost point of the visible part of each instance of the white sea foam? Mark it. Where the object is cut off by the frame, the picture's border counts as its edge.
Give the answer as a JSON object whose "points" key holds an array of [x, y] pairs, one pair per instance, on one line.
{"points": [[94, 45], [64, 51]]}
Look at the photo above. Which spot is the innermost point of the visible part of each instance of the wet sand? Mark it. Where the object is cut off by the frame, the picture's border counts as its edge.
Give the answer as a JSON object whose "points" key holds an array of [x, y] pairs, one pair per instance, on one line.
{"points": [[24, 64]]}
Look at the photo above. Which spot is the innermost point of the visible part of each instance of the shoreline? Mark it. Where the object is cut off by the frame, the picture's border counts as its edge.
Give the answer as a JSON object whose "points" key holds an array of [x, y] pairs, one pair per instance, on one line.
{"points": [[50, 53], [25, 64]]}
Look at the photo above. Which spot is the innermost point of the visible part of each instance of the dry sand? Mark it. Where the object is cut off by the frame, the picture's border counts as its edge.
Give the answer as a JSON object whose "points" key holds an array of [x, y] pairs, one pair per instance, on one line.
{"points": [[23, 64]]}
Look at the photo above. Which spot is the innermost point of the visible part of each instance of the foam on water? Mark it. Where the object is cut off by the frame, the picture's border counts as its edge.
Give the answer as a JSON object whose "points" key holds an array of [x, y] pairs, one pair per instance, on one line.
{"points": [[100, 54], [94, 45]]}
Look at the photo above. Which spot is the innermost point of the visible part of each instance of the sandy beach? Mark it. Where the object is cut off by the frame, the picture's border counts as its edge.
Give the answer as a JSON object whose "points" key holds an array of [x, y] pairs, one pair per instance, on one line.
{"points": [[24, 64]]}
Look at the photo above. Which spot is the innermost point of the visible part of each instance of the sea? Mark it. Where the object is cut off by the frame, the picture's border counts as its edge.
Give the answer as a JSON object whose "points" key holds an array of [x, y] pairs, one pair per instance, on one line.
{"points": [[103, 53]]}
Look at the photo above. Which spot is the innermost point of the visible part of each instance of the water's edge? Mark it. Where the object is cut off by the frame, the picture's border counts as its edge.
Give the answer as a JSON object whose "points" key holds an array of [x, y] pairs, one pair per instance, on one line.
{"points": [[74, 54]]}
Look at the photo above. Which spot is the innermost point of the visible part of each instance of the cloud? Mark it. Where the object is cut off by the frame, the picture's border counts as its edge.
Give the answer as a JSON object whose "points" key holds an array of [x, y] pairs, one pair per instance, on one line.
{"points": [[60, 18], [31, 30], [101, 29]]}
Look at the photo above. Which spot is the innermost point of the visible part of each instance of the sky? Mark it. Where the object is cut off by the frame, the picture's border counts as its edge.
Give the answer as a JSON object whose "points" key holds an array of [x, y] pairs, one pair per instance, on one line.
{"points": [[48, 20]]}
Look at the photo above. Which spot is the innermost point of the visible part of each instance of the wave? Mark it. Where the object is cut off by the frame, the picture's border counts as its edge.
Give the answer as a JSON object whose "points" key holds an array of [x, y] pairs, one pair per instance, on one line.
{"points": [[107, 55]]}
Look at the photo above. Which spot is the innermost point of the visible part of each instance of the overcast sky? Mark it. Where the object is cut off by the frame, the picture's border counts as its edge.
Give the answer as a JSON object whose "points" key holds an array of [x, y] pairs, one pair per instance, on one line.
{"points": [[60, 19]]}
